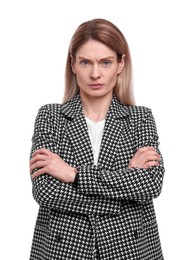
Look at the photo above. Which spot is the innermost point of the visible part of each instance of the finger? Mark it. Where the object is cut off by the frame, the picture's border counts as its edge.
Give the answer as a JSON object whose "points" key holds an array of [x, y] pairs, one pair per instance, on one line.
{"points": [[38, 157], [41, 151], [147, 151], [144, 150], [151, 156], [37, 165], [147, 148], [38, 173], [150, 164]]}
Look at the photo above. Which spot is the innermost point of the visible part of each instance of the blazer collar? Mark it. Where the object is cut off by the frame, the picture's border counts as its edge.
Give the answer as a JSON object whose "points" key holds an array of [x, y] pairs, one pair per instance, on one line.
{"points": [[73, 108], [79, 137]]}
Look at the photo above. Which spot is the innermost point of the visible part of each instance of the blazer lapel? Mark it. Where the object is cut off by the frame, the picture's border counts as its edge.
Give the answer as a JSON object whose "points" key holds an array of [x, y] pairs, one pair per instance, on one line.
{"points": [[113, 132], [78, 135], [77, 132], [111, 136]]}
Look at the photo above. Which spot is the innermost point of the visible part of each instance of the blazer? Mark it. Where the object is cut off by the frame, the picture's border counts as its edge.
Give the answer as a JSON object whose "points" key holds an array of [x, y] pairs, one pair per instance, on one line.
{"points": [[110, 209]]}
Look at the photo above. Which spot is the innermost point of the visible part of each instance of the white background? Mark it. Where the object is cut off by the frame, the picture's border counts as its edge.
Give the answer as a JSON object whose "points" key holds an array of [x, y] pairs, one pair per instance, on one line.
{"points": [[34, 38]]}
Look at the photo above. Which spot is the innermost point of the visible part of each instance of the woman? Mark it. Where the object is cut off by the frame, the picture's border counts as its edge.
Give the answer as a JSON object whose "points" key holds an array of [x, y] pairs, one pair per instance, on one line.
{"points": [[95, 162]]}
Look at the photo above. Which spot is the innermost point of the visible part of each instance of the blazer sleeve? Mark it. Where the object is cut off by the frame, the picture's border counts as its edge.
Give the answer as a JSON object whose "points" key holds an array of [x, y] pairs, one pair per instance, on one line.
{"points": [[136, 184], [50, 192]]}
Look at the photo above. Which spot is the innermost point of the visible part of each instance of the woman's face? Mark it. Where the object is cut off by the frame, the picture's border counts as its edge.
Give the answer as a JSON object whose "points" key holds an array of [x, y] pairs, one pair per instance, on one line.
{"points": [[96, 68]]}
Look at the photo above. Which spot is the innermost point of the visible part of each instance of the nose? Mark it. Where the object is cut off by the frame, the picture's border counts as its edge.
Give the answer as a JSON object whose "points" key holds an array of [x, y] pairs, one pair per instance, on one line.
{"points": [[95, 71]]}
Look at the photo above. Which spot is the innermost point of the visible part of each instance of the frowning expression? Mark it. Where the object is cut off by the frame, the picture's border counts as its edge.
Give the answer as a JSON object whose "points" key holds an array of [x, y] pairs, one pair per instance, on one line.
{"points": [[96, 68]]}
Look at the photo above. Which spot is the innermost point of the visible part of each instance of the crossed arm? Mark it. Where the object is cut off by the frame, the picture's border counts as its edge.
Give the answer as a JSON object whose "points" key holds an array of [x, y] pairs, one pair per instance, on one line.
{"points": [[47, 162], [98, 190]]}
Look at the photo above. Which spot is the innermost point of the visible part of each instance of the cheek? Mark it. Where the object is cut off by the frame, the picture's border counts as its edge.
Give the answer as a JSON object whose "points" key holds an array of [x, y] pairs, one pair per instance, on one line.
{"points": [[81, 79], [80, 76], [113, 77]]}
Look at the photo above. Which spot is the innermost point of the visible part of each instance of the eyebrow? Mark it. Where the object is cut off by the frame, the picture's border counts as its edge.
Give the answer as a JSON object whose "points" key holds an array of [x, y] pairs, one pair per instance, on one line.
{"points": [[104, 58]]}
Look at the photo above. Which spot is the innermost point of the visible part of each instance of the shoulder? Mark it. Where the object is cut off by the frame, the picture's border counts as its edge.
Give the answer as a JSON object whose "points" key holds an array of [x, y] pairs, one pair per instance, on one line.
{"points": [[49, 113], [48, 118], [54, 108], [139, 111], [67, 110], [121, 110], [142, 116]]}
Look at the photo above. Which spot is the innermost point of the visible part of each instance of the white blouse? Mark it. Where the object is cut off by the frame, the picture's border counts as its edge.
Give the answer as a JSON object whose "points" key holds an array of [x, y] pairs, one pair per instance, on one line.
{"points": [[95, 133]]}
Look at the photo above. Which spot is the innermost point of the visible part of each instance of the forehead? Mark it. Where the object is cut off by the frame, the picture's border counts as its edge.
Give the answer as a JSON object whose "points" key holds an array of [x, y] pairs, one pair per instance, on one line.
{"points": [[95, 49]]}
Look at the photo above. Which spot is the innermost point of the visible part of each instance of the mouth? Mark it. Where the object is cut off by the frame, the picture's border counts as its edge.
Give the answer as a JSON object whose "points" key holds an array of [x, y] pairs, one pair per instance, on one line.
{"points": [[95, 85]]}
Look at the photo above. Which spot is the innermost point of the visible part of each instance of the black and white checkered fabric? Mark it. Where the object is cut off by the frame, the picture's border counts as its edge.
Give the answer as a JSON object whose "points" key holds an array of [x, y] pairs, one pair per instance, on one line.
{"points": [[109, 214]]}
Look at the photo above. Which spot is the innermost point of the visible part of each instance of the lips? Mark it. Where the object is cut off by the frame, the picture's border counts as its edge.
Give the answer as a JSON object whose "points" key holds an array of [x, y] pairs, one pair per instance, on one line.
{"points": [[95, 85]]}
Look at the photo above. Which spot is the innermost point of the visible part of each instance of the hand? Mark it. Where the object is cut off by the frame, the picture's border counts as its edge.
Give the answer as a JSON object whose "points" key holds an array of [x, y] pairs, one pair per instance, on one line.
{"points": [[144, 158], [47, 162]]}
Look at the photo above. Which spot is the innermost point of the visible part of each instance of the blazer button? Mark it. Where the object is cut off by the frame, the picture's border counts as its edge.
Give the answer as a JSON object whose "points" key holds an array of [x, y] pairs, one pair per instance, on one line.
{"points": [[58, 238]]}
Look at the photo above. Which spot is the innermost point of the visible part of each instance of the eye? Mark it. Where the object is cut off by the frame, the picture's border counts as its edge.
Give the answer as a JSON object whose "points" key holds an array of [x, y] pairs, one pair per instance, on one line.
{"points": [[85, 62], [106, 63]]}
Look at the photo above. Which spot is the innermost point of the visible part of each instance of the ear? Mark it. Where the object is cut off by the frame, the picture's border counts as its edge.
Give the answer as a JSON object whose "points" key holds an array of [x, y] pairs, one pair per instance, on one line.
{"points": [[72, 64], [121, 64]]}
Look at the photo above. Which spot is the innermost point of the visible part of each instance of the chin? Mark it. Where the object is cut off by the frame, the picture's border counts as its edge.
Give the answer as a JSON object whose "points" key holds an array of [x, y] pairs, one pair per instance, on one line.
{"points": [[98, 93]]}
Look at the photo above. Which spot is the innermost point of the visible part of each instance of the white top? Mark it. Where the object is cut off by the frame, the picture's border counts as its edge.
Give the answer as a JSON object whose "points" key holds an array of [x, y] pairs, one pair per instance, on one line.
{"points": [[95, 133]]}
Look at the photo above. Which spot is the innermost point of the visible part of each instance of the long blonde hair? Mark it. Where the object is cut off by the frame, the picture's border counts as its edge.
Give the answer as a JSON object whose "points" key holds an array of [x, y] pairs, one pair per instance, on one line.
{"points": [[107, 33]]}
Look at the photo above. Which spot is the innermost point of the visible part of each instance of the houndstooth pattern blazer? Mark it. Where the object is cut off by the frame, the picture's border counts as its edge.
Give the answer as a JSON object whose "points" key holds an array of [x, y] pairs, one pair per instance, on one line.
{"points": [[111, 207]]}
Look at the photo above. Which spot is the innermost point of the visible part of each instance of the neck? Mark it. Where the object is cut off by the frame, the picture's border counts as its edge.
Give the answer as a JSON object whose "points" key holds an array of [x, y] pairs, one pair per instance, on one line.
{"points": [[95, 108]]}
